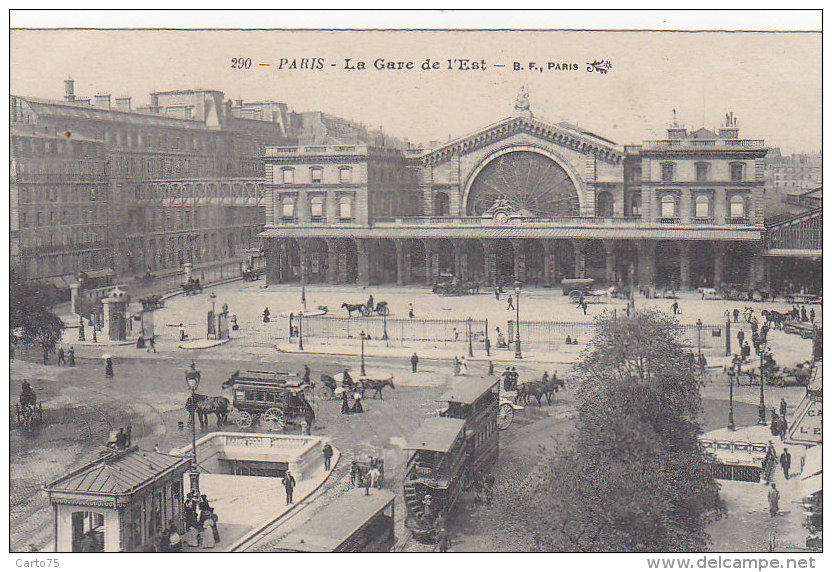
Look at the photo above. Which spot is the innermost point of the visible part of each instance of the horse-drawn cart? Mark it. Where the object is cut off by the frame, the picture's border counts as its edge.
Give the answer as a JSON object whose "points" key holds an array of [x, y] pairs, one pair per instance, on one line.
{"points": [[331, 383], [272, 399], [29, 415]]}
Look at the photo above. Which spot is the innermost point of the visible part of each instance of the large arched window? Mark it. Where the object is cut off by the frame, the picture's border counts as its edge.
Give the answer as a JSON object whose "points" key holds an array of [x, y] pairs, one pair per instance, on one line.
{"points": [[288, 208], [441, 205], [668, 206], [737, 207], [317, 207], [604, 205], [702, 207], [345, 208]]}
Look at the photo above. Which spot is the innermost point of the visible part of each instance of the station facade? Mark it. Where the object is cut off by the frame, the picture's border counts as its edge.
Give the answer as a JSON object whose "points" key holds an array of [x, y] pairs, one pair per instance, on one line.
{"points": [[521, 200]]}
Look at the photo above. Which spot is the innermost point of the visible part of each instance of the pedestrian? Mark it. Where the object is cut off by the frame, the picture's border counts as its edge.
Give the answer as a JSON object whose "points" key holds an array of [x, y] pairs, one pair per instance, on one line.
{"points": [[487, 346], [156, 448], [783, 407], [345, 404], [234, 325], [490, 367], [580, 301], [786, 462], [192, 536], [307, 374], [675, 307], [152, 344], [773, 500], [266, 315], [782, 428], [497, 293], [71, 356], [414, 363], [510, 301], [108, 367], [327, 452], [410, 313], [174, 539], [443, 541], [812, 315], [746, 351], [740, 337], [463, 366], [456, 334], [375, 476], [736, 315], [289, 484], [583, 306], [182, 335], [803, 316], [215, 531], [507, 379], [456, 366], [357, 407], [206, 539], [61, 356]]}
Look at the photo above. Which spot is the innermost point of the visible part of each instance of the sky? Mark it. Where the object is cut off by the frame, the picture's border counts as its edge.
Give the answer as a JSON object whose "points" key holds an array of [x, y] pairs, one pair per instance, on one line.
{"points": [[770, 81]]}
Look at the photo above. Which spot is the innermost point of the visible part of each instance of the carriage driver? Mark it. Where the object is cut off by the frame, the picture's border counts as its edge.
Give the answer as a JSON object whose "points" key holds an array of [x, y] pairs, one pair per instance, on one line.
{"points": [[27, 395]]}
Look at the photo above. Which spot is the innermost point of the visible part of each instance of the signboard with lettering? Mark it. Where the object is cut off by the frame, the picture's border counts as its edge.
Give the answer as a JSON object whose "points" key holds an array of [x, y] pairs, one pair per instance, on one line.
{"points": [[807, 427]]}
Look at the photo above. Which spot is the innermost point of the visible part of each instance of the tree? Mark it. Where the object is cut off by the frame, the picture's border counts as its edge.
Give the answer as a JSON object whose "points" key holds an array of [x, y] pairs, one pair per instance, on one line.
{"points": [[633, 477], [31, 320]]}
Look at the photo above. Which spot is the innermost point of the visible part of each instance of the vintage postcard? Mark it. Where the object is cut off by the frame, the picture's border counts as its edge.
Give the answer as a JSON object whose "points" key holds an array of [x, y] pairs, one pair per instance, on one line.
{"points": [[416, 290]]}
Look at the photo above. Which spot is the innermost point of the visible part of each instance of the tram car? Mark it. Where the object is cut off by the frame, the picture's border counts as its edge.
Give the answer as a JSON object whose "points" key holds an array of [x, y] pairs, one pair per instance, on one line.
{"points": [[449, 452], [273, 399]]}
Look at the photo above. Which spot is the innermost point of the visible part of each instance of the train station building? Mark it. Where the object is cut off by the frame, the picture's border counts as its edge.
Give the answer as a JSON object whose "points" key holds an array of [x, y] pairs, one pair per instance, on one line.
{"points": [[521, 199]]}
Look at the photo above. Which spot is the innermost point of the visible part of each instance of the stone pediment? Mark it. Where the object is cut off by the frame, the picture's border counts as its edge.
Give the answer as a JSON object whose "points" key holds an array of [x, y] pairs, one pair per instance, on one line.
{"points": [[580, 142]]}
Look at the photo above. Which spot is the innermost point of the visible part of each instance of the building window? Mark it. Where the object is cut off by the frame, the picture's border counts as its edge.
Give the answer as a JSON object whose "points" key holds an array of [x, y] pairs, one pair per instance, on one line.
{"points": [[316, 174], [635, 204], [317, 208], [703, 207], [737, 207], [737, 171], [288, 176], [604, 206], [345, 174], [288, 208], [668, 206], [702, 172], [441, 205], [345, 208], [668, 171]]}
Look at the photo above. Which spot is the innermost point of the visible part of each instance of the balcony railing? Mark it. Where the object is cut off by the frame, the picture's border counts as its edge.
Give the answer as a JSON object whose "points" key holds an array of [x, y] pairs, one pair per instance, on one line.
{"points": [[670, 220], [737, 220], [703, 220], [703, 144]]}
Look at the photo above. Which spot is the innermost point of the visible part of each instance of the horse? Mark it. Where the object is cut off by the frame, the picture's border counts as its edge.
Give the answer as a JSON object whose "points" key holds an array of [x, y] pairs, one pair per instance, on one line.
{"points": [[355, 385], [377, 385], [353, 308], [539, 389], [206, 405]]}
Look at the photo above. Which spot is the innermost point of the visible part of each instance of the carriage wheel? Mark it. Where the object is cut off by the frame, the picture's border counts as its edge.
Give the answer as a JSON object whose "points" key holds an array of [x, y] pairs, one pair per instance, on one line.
{"points": [[274, 419], [366, 312], [384, 311], [243, 419], [574, 296], [505, 416], [325, 393]]}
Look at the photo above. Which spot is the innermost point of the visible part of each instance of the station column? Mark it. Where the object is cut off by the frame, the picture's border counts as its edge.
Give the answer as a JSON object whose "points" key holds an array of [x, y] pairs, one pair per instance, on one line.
{"points": [[609, 250], [646, 262], [332, 260], [362, 247], [684, 265], [519, 259], [402, 272], [580, 257], [718, 264], [460, 260], [489, 247]]}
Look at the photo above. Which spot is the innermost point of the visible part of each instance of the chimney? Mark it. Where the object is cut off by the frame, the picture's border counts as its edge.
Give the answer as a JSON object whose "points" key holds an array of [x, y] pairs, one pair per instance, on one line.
{"points": [[69, 88], [123, 104], [102, 101], [238, 103], [729, 129]]}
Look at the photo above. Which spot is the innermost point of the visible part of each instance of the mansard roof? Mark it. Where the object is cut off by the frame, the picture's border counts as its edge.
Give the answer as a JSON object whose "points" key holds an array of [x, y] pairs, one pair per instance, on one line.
{"points": [[563, 134]]}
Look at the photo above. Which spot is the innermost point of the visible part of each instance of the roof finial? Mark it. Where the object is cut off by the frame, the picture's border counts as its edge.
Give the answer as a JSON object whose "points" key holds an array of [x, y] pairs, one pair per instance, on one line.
{"points": [[521, 102]]}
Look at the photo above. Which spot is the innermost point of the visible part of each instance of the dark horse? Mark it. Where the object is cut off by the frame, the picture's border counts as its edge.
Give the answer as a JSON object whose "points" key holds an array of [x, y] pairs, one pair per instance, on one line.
{"points": [[377, 385], [539, 389], [353, 308], [206, 405]]}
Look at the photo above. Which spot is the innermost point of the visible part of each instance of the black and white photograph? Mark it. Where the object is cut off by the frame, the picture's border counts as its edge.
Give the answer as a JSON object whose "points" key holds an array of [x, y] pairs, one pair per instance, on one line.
{"points": [[281, 282]]}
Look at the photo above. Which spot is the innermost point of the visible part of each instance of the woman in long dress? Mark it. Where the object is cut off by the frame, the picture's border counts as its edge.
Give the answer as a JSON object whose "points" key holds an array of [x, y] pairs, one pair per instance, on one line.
{"points": [[207, 536], [192, 536]]}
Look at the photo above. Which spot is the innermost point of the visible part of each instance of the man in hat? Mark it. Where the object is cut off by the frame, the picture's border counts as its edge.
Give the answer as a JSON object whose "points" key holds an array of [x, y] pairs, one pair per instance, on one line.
{"points": [[414, 362], [289, 484], [786, 461], [773, 500], [357, 407]]}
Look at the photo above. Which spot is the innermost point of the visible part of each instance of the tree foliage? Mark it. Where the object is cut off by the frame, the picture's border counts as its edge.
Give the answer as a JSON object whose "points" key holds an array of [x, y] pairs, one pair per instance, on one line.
{"points": [[31, 320], [633, 477]]}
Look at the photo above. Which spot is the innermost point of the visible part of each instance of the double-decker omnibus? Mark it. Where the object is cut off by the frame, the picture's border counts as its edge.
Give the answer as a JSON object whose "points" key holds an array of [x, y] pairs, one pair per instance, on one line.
{"points": [[449, 451]]}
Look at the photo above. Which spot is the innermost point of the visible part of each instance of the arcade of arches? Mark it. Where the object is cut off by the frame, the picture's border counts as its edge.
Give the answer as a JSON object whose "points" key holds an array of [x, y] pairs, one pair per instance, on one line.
{"points": [[540, 262]]}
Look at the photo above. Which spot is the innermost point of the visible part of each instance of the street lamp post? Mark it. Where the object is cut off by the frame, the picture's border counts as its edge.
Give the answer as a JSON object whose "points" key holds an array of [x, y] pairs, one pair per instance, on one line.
{"points": [[192, 380], [731, 424], [363, 370], [698, 338], [470, 338], [213, 298], [300, 330], [384, 335], [518, 353], [762, 419]]}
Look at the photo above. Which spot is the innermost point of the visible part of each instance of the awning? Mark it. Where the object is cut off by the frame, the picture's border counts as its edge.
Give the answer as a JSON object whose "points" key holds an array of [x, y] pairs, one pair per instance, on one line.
{"points": [[102, 273]]}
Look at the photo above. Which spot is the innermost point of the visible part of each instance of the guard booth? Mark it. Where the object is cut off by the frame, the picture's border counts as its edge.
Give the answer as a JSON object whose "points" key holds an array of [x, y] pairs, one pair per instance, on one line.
{"points": [[117, 323], [118, 503]]}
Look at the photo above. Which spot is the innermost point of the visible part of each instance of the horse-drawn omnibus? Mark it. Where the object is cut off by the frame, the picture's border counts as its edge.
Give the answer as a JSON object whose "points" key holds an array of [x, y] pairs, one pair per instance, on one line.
{"points": [[274, 399], [449, 452], [361, 520]]}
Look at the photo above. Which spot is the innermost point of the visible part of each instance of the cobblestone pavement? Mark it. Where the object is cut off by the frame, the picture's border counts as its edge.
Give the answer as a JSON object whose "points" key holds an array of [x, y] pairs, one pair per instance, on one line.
{"points": [[148, 390]]}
